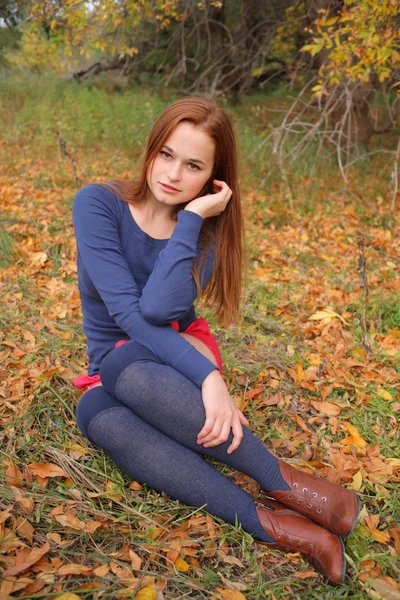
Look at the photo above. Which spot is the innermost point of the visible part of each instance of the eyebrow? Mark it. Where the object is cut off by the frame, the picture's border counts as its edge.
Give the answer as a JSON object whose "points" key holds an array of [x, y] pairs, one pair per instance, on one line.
{"points": [[194, 160]]}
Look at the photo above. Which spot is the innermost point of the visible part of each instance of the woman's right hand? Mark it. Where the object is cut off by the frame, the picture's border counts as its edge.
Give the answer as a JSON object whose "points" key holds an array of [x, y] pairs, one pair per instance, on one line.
{"points": [[211, 205], [222, 415]]}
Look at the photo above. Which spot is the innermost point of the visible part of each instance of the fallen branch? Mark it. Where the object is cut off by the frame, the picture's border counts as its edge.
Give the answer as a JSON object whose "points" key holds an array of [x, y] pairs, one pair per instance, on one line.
{"points": [[362, 272], [67, 153]]}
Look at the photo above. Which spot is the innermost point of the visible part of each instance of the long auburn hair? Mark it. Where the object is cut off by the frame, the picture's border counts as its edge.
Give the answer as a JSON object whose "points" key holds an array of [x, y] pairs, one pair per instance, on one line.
{"points": [[225, 231]]}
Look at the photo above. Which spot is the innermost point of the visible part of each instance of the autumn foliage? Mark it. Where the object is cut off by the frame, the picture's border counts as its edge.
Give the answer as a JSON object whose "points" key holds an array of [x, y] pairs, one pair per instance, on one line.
{"points": [[71, 524]]}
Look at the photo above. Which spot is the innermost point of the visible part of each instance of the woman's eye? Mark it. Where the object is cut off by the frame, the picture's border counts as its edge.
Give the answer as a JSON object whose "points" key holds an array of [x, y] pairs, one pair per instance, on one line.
{"points": [[165, 154], [193, 167]]}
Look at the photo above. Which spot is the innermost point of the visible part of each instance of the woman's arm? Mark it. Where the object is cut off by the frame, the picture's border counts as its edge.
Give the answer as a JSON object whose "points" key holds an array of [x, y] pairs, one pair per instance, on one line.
{"points": [[99, 246], [170, 290]]}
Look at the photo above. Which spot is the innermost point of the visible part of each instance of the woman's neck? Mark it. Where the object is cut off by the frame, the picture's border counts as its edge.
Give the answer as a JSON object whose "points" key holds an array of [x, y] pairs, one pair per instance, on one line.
{"points": [[158, 221]]}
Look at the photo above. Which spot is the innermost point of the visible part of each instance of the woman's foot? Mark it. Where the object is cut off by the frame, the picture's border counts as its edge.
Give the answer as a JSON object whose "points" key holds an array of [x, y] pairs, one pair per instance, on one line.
{"points": [[330, 505], [295, 533]]}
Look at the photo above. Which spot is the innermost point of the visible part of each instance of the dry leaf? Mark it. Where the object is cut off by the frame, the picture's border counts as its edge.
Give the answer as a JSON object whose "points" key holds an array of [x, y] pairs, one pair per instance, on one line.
{"points": [[384, 394], [385, 590], [44, 470], [70, 520], [326, 315], [231, 594], [181, 565], [146, 593], [74, 569], [32, 558], [136, 561], [101, 571], [14, 476], [356, 482], [326, 408]]}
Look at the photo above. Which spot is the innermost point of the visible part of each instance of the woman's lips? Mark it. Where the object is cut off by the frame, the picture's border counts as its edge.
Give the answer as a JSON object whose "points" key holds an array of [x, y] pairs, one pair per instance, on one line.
{"points": [[168, 188]]}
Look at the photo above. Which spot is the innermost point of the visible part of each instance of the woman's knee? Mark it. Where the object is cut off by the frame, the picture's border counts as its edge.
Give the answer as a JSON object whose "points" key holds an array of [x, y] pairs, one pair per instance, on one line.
{"points": [[116, 361], [93, 402]]}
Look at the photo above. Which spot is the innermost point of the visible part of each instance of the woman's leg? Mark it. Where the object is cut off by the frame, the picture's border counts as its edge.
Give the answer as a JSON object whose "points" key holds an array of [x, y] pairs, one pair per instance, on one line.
{"points": [[149, 456], [169, 401]]}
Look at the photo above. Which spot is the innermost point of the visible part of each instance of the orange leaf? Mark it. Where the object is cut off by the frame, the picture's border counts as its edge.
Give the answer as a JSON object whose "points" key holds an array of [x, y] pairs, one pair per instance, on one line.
{"points": [[25, 503], [70, 520], [326, 408], [32, 558], [13, 475], [44, 470], [231, 594], [136, 561], [74, 569], [250, 394], [101, 571], [299, 422], [91, 526], [306, 574]]}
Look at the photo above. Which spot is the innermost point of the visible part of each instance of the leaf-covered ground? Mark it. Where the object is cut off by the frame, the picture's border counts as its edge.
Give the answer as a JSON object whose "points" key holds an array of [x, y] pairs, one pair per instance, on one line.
{"points": [[71, 524]]}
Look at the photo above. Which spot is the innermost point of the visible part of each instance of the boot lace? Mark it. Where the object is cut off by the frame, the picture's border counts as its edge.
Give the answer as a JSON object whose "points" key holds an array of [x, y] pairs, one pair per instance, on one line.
{"points": [[308, 498]]}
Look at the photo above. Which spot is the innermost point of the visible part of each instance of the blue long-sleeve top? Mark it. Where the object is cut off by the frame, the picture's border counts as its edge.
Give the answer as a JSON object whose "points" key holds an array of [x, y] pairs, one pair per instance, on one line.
{"points": [[133, 286]]}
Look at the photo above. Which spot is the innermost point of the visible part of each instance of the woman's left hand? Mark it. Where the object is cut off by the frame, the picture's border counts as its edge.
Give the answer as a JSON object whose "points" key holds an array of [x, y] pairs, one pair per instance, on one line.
{"points": [[222, 415], [212, 205]]}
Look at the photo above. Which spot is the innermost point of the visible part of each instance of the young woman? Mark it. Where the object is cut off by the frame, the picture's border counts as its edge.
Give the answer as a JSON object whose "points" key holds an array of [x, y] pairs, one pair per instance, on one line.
{"points": [[155, 399]]}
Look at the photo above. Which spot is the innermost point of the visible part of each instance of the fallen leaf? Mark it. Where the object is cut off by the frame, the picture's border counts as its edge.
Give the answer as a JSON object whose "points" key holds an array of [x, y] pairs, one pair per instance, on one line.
{"points": [[384, 589], [69, 519], [13, 475], [231, 594], [101, 571], [44, 470], [32, 558], [356, 482], [326, 315], [136, 561], [326, 408], [181, 565], [74, 569], [146, 593], [355, 439], [384, 394], [306, 574]]}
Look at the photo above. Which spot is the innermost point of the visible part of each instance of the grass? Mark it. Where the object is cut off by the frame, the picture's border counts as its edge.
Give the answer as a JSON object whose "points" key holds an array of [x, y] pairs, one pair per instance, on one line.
{"points": [[302, 258]]}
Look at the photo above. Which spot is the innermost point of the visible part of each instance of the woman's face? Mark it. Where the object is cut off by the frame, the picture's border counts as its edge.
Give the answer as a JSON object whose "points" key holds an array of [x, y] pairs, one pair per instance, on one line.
{"points": [[183, 166]]}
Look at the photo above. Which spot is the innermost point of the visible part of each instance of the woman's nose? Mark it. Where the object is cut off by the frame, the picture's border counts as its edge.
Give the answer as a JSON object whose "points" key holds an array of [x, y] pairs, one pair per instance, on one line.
{"points": [[174, 172]]}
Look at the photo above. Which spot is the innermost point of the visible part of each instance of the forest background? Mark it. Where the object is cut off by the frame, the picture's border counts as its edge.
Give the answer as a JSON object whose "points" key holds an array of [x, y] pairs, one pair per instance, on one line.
{"points": [[314, 363]]}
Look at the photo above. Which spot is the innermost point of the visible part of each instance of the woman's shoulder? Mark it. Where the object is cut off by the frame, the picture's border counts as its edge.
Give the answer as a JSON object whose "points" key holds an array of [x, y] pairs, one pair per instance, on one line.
{"points": [[100, 196]]}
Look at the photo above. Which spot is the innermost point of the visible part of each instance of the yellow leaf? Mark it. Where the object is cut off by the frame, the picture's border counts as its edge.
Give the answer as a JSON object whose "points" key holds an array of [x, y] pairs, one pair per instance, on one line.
{"points": [[68, 596], [359, 353], [327, 314], [146, 593], [354, 439], [231, 594], [314, 360], [384, 394], [356, 482], [181, 565], [113, 491]]}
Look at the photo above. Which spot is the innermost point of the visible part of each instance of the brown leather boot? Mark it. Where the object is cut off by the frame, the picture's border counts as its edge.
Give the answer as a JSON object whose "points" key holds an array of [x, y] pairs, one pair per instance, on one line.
{"points": [[330, 505], [295, 533]]}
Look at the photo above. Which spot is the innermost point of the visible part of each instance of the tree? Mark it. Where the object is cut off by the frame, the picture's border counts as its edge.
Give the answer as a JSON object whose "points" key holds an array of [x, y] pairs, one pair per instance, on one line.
{"points": [[355, 47]]}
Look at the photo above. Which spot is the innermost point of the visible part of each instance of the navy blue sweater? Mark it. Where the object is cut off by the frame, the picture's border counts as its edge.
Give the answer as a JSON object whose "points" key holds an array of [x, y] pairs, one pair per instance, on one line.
{"points": [[133, 286]]}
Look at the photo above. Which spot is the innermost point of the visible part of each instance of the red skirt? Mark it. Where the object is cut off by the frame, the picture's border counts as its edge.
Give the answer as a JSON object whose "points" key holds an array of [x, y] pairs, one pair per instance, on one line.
{"points": [[198, 329]]}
